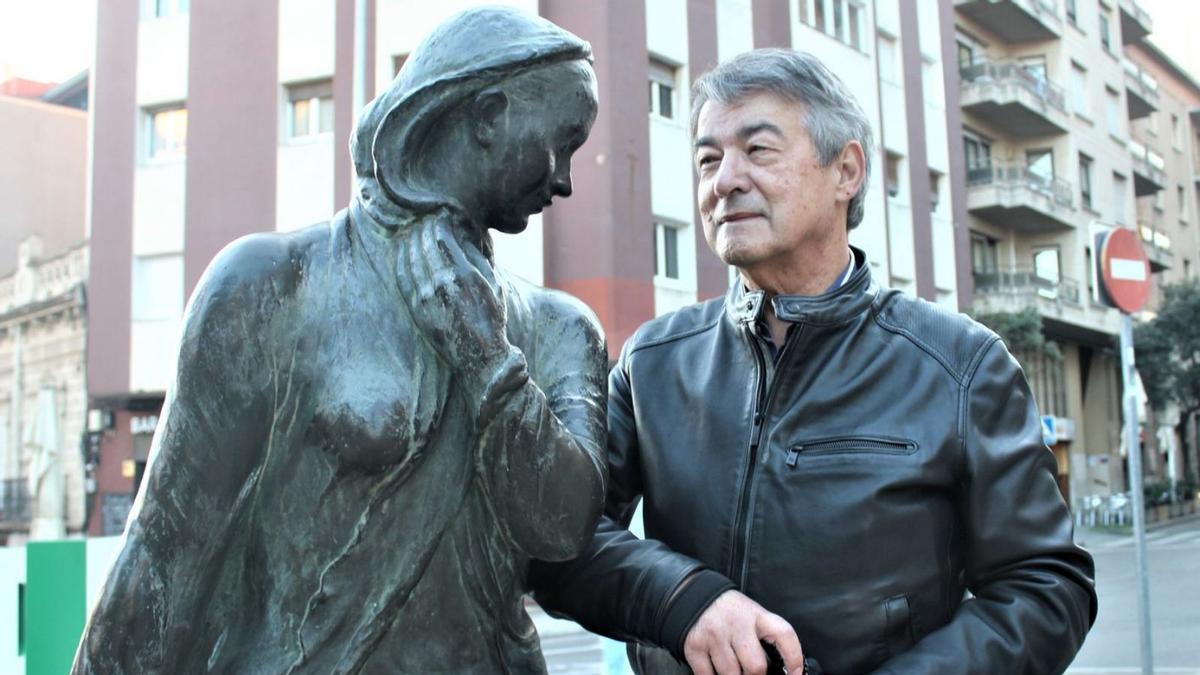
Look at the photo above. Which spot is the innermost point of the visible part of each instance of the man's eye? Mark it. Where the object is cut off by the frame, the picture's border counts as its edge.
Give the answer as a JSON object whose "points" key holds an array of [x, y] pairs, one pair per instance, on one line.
{"points": [[757, 149], [707, 160]]}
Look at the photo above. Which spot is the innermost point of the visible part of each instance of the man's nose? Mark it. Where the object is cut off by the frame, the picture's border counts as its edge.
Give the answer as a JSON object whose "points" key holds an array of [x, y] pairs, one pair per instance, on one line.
{"points": [[730, 176]]}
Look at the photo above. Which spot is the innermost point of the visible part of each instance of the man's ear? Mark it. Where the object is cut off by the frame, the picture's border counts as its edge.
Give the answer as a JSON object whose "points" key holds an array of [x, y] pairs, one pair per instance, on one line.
{"points": [[852, 168], [487, 110]]}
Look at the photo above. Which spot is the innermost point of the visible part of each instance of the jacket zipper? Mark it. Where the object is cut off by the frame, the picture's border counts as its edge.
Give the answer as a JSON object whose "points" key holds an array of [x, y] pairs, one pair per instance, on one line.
{"points": [[838, 446], [741, 524]]}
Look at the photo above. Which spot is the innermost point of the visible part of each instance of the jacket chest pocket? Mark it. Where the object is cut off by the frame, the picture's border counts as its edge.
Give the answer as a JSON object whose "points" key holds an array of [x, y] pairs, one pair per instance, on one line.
{"points": [[850, 445]]}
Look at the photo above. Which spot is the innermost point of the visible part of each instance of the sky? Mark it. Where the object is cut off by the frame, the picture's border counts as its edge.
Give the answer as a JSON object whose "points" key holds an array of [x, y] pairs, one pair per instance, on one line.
{"points": [[47, 40], [51, 40]]}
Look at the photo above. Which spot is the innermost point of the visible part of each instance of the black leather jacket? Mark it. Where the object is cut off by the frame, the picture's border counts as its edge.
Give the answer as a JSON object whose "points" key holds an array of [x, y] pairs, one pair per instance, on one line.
{"points": [[890, 460]]}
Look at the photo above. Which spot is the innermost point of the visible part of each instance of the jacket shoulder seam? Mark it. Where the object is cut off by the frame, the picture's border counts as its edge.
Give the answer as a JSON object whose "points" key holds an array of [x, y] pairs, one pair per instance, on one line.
{"points": [[958, 379], [964, 397], [674, 337]]}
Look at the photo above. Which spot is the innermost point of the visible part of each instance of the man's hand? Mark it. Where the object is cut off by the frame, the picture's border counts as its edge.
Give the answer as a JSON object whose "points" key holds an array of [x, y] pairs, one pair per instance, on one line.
{"points": [[454, 298], [725, 639]]}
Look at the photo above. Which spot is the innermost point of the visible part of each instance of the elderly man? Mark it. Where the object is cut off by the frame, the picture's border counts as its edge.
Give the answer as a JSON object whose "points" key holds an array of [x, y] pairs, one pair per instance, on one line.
{"points": [[826, 466]]}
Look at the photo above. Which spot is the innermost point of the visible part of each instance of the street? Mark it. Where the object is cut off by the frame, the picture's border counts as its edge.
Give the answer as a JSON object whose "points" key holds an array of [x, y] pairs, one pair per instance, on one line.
{"points": [[1174, 562]]}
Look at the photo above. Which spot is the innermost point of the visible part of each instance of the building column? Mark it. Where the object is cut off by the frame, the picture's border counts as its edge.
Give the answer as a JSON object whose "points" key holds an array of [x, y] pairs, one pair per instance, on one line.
{"points": [[964, 279], [772, 23], [233, 127], [598, 244], [712, 276], [344, 114], [918, 161], [114, 149]]}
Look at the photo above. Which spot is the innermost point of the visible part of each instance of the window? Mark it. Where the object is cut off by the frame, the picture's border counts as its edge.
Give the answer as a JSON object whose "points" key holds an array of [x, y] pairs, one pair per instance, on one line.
{"points": [[166, 133], [802, 6], [935, 182], [1040, 164], [1120, 187], [310, 109], [892, 174], [662, 89], [165, 8], [1176, 136], [966, 55], [1035, 66], [887, 59], [1112, 111], [983, 254], [1085, 180], [1072, 15], [979, 160], [856, 12], [1046, 271], [666, 251], [1187, 268], [839, 20], [1079, 98], [819, 16], [1182, 197], [1106, 30], [398, 61]]}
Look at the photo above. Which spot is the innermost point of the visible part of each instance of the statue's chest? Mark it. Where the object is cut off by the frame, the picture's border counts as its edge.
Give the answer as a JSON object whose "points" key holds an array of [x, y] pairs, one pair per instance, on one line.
{"points": [[380, 396]]}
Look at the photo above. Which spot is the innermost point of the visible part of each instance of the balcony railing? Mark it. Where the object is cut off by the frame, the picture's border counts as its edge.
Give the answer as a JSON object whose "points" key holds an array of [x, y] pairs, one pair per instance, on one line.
{"points": [[1015, 21], [1135, 22], [1142, 90], [1011, 72], [1026, 282], [1148, 170], [1060, 191], [14, 504]]}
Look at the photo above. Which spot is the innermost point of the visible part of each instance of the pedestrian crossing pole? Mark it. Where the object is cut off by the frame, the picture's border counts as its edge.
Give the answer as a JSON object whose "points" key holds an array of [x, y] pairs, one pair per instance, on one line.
{"points": [[1134, 453], [1125, 270]]}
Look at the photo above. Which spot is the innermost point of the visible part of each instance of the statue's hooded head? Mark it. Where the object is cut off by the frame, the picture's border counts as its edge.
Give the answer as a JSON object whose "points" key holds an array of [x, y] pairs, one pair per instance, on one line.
{"points": [[405, 138]]}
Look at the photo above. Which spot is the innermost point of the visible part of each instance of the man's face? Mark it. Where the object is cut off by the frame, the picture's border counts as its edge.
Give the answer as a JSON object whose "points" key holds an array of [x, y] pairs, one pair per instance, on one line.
{"points": [[763, 193], [533, 149]]}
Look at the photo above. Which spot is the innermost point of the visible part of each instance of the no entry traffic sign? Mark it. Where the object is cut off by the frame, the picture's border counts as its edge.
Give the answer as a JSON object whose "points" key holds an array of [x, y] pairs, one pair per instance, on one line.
{"points": [[1125, 270]]}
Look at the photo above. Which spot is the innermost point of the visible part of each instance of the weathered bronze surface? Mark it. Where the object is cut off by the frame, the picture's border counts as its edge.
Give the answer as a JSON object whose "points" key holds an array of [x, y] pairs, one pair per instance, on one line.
{"points": [[372, 430]]}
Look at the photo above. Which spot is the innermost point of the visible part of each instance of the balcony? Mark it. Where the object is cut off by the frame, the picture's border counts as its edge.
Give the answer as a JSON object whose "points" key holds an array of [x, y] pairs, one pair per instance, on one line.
{"points": [[1141, 91], [1135, 22], [1015, 21], [1012, 196], [1149, 175], [1158, 248], [1013, 100], [14, 505], [1062, 303]]}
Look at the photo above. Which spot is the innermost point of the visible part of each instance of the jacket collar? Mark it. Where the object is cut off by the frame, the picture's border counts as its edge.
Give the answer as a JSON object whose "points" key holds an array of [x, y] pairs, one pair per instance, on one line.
{"points": [[838, 305]]}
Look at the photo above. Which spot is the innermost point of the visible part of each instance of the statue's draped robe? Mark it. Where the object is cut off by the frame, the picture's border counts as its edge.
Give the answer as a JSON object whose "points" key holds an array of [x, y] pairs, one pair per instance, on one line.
{"points": [[320, 499]]}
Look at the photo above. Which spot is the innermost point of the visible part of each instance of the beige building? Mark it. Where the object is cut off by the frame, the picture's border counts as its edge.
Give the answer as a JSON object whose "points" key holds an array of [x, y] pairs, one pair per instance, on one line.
{"points": [[1067, 134], [42, 340], [43, 264], [1167, 222]]}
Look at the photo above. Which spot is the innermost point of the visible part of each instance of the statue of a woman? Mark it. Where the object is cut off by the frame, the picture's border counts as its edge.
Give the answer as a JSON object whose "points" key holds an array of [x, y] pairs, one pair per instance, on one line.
{"points": [[372, 432]]}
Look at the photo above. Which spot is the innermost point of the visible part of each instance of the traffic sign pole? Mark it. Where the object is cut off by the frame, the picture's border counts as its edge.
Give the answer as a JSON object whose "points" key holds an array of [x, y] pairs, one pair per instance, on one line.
{"points": [[1134, 453]]}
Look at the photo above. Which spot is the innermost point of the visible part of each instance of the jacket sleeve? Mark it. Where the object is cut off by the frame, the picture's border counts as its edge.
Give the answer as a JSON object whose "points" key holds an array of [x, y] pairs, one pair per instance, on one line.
{"points": [[206, 456], [1033, 591], [621, 586]]}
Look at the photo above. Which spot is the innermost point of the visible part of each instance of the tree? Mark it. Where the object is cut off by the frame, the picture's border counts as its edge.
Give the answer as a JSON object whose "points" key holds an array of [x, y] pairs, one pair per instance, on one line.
{"points": [[1168, 359], [1168, 349]]}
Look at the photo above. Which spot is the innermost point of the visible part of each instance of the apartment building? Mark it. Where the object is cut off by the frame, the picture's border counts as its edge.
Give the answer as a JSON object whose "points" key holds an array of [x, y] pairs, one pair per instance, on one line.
{"points": [[1067, 131], [1167, 220]]}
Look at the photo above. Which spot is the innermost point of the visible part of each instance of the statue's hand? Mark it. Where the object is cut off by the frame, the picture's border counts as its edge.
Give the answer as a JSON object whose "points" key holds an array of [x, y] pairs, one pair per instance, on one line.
{"points": [[455, 299]]}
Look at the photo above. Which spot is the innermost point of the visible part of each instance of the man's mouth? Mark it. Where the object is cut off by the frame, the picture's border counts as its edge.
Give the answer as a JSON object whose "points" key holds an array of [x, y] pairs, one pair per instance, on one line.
{"points": [[738, 216]]}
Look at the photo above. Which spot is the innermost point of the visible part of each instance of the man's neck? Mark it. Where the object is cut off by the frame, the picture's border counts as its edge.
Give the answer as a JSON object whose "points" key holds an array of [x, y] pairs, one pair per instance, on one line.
{"points": [[809, 278]]}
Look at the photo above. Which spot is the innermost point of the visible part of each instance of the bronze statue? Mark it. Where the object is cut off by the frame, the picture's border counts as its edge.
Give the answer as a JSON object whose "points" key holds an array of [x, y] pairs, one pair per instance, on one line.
{"points": [[372, 431]]}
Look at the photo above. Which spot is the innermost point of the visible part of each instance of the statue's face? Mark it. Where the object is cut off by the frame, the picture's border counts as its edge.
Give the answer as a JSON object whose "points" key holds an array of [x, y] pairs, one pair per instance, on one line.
{"points": [[530, 162]]}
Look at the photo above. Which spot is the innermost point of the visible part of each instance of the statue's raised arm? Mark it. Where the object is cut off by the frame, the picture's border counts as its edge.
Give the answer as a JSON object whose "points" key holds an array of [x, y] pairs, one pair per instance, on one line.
{"points": [[372, 431]]}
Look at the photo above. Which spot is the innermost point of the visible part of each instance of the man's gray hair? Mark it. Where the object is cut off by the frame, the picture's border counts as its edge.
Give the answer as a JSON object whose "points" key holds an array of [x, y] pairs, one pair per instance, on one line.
{"points": [[832, 115]]}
